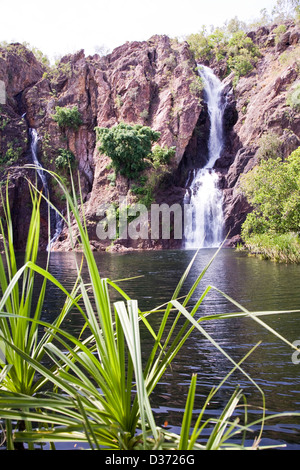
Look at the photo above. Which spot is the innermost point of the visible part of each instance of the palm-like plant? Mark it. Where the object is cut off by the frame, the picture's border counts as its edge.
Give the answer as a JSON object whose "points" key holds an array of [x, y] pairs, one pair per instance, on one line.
{"points": [[19, 322]]}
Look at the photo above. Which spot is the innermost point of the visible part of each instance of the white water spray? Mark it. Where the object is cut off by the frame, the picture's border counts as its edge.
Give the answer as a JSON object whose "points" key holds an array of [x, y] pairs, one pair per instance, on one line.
{"points": [[205, 228], [34, 152]]}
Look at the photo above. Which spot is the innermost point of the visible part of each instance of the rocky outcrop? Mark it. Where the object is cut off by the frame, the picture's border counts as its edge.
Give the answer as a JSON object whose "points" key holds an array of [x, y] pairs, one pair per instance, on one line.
{"points": [[19, 71], [140, 82], [260, 100], [150, 83], [147, 83]]}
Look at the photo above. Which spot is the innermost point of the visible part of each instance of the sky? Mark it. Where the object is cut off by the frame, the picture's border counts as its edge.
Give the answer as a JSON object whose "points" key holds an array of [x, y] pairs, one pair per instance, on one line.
{"points": [[59, 27]]}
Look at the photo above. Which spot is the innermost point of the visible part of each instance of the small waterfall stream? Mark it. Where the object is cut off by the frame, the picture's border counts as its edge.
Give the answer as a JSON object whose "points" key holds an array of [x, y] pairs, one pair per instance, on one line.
{"points": [[205, 226], [34, 152]]}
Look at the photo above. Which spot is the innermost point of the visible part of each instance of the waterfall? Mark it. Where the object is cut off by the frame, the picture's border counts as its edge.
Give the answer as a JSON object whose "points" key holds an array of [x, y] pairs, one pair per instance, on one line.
{"points": [[205, 225], [34, 152], [59, 223]]}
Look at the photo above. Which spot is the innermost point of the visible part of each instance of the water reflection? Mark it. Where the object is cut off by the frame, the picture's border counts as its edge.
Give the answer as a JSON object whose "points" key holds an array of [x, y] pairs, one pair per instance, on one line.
{"points": [[256, 284]]}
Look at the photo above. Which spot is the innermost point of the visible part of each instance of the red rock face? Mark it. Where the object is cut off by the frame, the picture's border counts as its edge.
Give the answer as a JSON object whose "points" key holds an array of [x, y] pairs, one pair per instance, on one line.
{"points": [[149, 83], [146, 83]]}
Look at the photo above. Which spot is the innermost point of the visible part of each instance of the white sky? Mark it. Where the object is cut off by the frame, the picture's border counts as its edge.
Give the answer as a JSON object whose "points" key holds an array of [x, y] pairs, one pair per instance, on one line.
{"points": [[63, 26]]}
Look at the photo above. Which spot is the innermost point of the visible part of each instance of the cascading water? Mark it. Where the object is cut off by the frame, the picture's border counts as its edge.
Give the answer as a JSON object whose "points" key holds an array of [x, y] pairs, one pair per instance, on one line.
{"points": [[34, 152], [59, 223], [205, 226]]}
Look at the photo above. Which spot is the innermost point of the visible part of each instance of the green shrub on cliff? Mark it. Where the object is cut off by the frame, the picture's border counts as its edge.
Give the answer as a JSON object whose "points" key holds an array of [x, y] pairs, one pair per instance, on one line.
{"points": [[269, 147], [65, 159], [293, 97], [196, 87], [127, 146], [200, 45], [228, 43], [242, 53], [68, 117], [206, 46], [162, 155], [11, 155], [145, 187]]}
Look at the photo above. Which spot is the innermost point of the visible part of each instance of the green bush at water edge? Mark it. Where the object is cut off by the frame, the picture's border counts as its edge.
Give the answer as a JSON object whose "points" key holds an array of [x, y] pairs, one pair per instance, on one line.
{"points": [[273, 190]]}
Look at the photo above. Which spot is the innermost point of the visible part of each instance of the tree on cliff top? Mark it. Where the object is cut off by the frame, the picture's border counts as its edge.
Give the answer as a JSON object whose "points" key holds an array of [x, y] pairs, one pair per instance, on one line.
{"points": [[233, 45], [127, 146], [231, 41], [286, 9]]}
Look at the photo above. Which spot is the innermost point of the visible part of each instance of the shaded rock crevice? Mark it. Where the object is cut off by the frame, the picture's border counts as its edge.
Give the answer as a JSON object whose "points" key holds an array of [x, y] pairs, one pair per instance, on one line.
{"points": [[195, 155]]}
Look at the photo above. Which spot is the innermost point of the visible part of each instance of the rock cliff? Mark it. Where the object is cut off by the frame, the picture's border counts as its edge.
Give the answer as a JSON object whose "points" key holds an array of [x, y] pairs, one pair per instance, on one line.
{"points": [[140, 82], [153, 83], [260, 100]]}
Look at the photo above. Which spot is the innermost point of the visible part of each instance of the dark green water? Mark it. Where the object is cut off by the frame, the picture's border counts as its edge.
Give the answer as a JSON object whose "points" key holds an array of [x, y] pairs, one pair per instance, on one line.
{"points": [[257, 285]]}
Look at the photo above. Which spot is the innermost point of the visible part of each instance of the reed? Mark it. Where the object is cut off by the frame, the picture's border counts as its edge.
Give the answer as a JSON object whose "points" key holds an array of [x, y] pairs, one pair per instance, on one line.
{"points": [[282, 248], [19, 320], [100, 390]]}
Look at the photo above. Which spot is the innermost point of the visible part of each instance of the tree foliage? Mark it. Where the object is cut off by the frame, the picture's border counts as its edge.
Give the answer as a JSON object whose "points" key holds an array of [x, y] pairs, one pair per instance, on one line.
{"points": [[293, 97], [231, 41], [68, 117], [65, 159], [242, 53], [128, 147], [231, 44], [162, 155], [273, 189], [206, 46], [286, 9]]}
